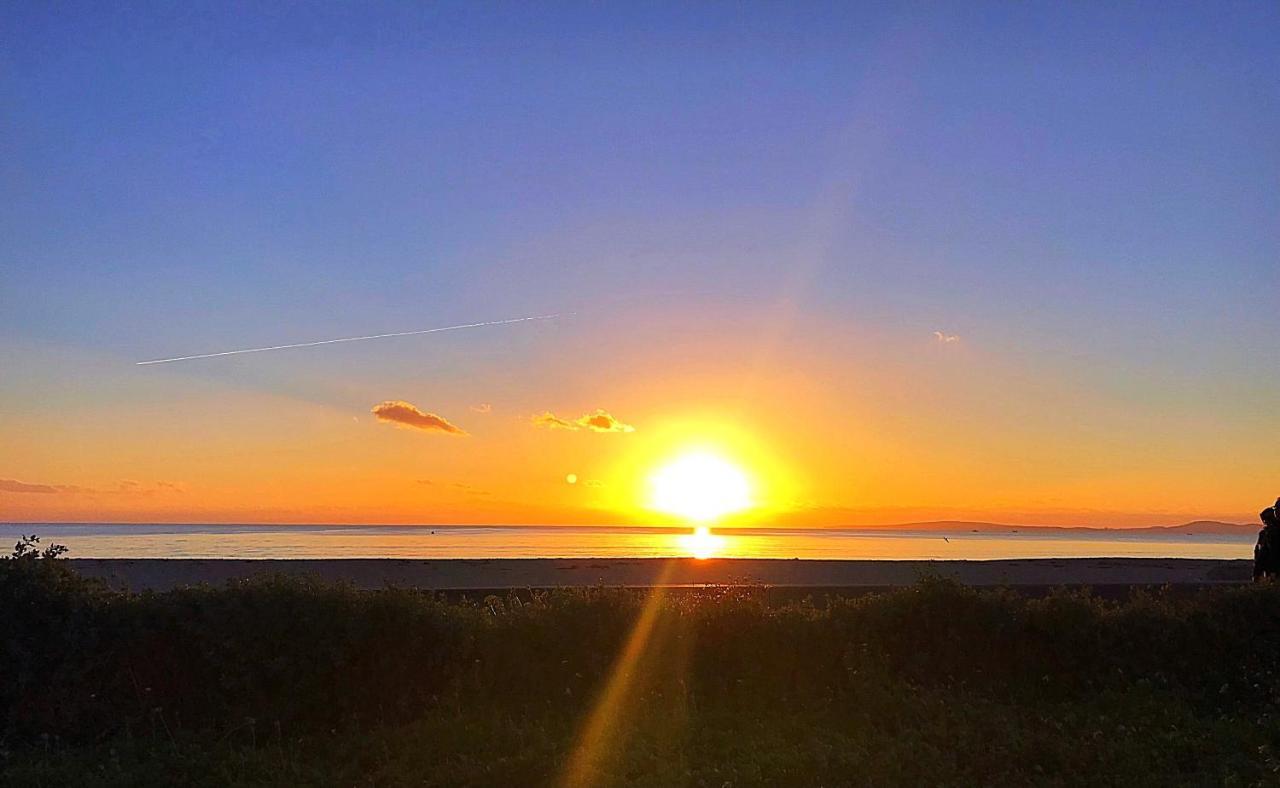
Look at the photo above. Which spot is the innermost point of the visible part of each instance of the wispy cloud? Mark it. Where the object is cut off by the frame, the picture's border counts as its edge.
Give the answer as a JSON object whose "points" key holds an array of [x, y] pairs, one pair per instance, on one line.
{"points": [[15, 486], [598, 420], [404, 414], [123, 487], [482, 407], [944, 338], [552, 421], [463, 486], [135, 487]]}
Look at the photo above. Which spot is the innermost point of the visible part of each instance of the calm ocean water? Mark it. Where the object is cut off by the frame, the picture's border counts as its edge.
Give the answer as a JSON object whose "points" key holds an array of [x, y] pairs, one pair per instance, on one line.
{"points": [[346, 541]]}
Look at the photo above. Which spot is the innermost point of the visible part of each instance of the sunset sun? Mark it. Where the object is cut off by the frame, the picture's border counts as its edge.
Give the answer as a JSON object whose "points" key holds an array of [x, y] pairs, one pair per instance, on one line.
{"points": [[700, 487]]}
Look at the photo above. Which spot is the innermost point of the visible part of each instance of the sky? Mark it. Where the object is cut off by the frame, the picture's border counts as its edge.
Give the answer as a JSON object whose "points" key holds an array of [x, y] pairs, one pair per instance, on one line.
{"points": [[899, 262]]}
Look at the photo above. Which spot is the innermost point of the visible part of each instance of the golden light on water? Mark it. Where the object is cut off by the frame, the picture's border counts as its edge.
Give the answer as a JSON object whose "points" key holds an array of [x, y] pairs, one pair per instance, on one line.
{"points": [[702, 543]]}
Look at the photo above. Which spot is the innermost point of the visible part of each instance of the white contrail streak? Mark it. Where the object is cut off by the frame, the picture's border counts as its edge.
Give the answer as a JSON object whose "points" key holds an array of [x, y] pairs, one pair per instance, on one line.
{"points": [[347, 339]]}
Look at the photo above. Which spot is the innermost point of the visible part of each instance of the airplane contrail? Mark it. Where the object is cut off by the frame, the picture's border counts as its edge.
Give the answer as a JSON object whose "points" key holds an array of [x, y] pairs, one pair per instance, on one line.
{"points": [[348, 339]]}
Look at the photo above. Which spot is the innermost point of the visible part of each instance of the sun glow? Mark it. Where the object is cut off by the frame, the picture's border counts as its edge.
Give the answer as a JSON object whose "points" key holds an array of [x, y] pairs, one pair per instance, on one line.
{"points": [[700, 487]]}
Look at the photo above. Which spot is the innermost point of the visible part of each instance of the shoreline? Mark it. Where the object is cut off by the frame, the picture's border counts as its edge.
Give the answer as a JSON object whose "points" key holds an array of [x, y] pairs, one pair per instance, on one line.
{"points": [[461, 574]]}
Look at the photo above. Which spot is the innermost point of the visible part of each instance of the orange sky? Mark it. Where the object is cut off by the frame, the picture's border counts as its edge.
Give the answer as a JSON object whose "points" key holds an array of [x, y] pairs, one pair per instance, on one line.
{"points": [[888, 429]]}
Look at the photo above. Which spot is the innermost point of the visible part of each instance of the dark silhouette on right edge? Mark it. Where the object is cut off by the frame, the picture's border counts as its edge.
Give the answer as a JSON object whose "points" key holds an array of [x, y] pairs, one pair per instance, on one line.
{"points": [[1266, 554]]}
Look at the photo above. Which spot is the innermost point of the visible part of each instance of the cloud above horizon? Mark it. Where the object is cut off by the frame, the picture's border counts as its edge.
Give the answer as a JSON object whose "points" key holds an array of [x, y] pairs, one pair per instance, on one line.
{"points": [[404, 414], [123, 487], [945, 339], [135, 487], [603, 421], [598, 420], [553, 422], [15, 486]]}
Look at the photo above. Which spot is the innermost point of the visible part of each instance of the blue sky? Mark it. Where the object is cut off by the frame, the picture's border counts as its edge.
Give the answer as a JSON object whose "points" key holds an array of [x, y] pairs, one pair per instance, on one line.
{"points": [[1089, 193]]}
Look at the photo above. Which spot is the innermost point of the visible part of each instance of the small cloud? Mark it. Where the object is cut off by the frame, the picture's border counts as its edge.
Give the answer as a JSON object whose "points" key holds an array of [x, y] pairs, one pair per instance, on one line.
{"points": [[406, 415], [135, 487], [597, 421], [15, 486], [602, 421], [594, 483], [483, 407], [553, 422], [945, 339]]}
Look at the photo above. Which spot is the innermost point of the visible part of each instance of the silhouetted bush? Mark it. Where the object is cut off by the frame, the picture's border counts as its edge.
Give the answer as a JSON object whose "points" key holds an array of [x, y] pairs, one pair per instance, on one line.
{"points": [[299, 681]]}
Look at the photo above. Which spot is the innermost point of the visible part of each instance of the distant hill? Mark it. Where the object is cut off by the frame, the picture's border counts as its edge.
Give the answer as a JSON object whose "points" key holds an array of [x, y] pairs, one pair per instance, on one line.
{"points": [[1197, 527], [1207, 527]]}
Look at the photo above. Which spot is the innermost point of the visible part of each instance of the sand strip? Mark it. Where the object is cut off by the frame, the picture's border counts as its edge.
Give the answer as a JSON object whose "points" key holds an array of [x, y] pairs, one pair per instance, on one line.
{"points": [[446, 574]]}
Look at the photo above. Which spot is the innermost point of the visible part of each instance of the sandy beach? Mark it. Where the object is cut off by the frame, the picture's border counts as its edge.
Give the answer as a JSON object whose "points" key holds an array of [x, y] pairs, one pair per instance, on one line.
{"points": [[460, 574]]}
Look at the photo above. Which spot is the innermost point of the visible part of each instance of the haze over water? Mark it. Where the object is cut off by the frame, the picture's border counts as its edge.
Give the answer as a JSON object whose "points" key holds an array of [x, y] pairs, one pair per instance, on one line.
{"points": [[345, 541]]}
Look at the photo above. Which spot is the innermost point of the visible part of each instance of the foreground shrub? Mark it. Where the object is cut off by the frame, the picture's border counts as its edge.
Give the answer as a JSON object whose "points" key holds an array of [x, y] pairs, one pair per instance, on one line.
{"points": [[309, 682]]}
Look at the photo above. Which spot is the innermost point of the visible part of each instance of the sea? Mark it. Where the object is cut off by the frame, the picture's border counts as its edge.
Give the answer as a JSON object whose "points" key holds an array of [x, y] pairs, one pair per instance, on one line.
{"points": [[155, 540]]}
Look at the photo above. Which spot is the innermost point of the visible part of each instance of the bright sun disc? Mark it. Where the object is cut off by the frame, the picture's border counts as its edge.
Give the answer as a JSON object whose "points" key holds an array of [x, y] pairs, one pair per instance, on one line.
{"points": [[699, 487]]}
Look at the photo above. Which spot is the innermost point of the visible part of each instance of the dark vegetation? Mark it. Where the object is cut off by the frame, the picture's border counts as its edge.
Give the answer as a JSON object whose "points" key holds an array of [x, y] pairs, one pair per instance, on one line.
{"points": [[297, 683]]}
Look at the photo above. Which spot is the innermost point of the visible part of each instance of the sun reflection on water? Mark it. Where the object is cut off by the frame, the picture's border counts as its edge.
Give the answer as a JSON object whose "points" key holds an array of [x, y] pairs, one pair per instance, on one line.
{"points": [[701, 543]]}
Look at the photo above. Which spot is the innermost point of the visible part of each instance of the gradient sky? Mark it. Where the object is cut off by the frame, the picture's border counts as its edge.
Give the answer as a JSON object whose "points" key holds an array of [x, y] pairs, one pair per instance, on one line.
{"points": [[758, 216]]}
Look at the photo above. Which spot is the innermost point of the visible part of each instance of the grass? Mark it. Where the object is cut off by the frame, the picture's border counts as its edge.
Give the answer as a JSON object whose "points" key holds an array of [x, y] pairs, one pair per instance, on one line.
{"points": [[286, 682]]}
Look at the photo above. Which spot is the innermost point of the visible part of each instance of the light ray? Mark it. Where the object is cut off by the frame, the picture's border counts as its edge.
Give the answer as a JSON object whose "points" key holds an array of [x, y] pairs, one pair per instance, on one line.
{"points": [[349, 339], [604, 725]]}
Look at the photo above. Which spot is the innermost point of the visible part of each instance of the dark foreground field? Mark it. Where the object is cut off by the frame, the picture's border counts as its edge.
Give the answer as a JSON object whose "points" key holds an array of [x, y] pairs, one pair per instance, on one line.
{"points": [[288, 682]]}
